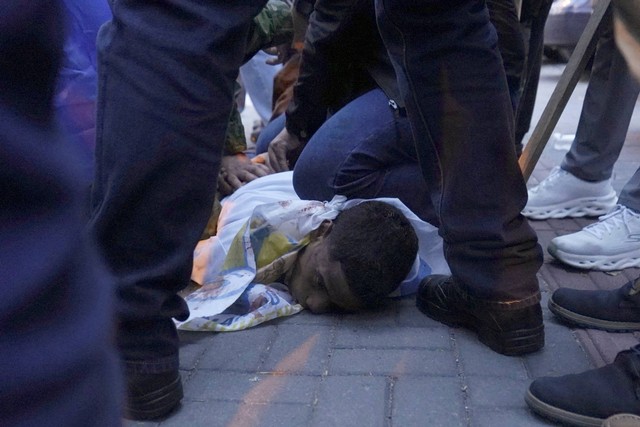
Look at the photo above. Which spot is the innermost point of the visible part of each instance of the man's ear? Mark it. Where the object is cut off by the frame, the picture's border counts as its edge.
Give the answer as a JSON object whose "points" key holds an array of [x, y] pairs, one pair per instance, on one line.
{"points": [[323, 230]]}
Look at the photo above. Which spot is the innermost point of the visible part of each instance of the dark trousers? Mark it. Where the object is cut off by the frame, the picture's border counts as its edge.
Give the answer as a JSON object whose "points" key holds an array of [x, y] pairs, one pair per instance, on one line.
{"points": [[58, 365], [504, 17], [166, 74], [606, 112], [534, 17], [451, 76]]}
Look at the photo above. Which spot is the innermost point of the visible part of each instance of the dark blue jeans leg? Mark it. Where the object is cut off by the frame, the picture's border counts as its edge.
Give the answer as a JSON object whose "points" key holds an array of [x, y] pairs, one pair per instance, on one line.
{"points": [[533, 30], [58, 365], [166, 73], [504, 17], [451, 76], [270, 131], [365, 150]]}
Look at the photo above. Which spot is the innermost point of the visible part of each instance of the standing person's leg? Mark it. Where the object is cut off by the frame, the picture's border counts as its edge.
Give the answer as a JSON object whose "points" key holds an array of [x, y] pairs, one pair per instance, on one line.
{"points": [[504, 17], [59, 365], [581, 186], [365, 150], [609, 244], [458, 103], [166, 76], [532, 27], [606, 113], [630, 194], [273, 128]]}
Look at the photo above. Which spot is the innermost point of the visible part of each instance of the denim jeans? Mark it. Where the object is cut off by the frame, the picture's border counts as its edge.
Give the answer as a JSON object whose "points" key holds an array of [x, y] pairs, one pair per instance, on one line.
{"points": [[58, 362], [166, 75], [451, 77], [365, 151], [270, 131]]}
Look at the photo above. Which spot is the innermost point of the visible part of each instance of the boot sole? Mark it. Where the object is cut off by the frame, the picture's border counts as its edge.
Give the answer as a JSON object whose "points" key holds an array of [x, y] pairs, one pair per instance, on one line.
{"points": [[576, 319], [157, 404], [510, 343], [556, 414]]}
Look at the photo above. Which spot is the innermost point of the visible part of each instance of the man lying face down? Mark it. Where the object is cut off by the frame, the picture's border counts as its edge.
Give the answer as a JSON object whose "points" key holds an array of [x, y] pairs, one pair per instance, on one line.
{"points": [[275, 254], [355, 261]]}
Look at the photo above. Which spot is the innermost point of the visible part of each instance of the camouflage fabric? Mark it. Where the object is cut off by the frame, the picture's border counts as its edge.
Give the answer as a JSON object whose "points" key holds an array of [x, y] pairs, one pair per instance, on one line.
{"points": [[235, 140], [271, 27]]}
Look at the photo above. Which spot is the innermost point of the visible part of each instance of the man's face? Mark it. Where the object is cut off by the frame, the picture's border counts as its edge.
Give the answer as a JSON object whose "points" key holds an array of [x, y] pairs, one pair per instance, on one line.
{"points": [[317, 282]]}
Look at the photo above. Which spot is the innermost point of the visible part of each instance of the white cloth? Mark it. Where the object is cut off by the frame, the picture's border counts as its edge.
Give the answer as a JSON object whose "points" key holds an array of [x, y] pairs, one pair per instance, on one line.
{"points": [[264, 199]]}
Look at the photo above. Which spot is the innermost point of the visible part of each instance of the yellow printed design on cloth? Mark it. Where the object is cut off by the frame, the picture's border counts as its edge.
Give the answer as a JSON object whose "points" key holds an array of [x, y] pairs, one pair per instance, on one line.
{"points": [[246, 288]]}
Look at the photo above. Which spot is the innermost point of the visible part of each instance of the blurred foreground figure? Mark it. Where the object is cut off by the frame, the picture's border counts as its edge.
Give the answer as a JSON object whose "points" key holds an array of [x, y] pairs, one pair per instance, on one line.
{"points": [[57, 363], [166, 71]]}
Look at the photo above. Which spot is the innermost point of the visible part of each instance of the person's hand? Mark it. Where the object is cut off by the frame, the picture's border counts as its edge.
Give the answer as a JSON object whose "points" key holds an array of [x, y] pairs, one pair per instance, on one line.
{"points": [[280, 54], [284, 151], [236, 170]]}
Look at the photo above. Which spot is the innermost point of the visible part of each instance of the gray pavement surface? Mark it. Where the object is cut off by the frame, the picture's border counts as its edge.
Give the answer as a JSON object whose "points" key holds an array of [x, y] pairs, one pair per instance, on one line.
{"points": [[397, 367]]}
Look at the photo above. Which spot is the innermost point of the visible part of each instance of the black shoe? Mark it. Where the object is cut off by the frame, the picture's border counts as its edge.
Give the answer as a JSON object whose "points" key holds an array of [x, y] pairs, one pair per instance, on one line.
{"points": [[615, 311], [152, 396], [588, 398], [510, 328]]}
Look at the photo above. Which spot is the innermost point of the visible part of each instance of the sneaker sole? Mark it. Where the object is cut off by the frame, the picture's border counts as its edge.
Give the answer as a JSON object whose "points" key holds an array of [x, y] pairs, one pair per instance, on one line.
{"points": [[579, 208], [591, 262], [622, 420], [576, 319], [510, 343], [556, 414], [157, 404]]}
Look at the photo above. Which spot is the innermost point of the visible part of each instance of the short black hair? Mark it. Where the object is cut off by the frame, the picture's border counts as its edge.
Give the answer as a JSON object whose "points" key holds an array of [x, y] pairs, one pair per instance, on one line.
{"points": [[376, 247]]}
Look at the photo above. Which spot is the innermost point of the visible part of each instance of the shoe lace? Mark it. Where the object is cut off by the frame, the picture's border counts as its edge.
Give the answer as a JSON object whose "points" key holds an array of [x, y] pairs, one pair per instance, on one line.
{"points": [[617, 218]]}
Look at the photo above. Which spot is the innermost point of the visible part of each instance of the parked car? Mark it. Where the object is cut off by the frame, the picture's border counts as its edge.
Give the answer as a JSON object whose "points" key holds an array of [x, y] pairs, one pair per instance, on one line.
{"points": [[565, 24]]}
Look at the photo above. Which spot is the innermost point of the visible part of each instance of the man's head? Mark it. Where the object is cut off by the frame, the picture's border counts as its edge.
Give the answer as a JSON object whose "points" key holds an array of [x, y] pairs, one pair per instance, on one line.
{"points": [[355, 261]]}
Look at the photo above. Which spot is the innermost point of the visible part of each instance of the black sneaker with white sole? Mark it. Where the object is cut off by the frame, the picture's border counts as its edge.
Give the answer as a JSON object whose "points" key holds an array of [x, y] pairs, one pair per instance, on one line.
{"points": [[616, 310], [589, 398]]}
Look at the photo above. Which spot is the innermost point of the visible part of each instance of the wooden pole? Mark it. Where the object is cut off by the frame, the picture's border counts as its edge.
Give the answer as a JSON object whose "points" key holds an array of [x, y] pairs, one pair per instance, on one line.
{"points": [[563, 90]]}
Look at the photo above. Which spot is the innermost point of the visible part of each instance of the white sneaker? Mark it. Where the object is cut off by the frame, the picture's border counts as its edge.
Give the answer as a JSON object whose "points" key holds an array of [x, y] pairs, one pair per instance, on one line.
{"points": [[562, 195], [612, 243]]}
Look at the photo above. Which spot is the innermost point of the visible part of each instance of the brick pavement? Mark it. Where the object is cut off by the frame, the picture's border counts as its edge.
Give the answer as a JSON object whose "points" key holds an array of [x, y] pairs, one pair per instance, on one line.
{"points": [[396, 367]]}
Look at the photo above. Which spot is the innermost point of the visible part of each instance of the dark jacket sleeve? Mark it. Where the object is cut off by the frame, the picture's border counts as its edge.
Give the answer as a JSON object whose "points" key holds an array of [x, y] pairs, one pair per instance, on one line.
{"points": [[343, 58], [322, 66]]}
